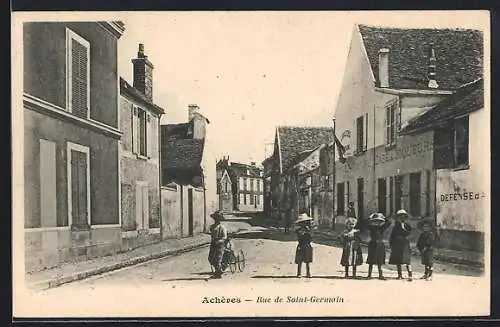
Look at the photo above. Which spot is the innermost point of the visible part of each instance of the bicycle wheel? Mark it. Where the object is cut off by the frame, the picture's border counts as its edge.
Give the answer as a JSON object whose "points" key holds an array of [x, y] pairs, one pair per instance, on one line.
{"points": [[241, 261], [232, 263]]}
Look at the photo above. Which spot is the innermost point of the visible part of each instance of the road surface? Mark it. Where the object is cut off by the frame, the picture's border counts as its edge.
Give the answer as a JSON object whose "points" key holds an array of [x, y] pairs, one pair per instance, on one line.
{"points": [[180, 286]]}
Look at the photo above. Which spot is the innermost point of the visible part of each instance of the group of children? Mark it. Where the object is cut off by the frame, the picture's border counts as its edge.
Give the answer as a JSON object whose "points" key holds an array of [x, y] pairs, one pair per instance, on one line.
{"points": [[352, 254]]}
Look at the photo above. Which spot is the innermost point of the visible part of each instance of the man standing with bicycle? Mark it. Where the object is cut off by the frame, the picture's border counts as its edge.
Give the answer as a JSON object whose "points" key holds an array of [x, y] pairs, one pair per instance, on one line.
{"points": [[219, 237]]}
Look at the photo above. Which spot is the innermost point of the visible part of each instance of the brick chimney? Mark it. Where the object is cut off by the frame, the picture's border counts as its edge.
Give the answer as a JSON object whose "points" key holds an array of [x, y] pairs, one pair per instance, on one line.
{"points": [[143, 73], [198, 122], [431, 71], [383, 67]]}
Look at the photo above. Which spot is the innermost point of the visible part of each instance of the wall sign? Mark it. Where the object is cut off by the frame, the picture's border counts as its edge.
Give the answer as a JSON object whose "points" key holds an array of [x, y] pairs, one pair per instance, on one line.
{"points": [[462, 196], [403, 151], [345, 139]]}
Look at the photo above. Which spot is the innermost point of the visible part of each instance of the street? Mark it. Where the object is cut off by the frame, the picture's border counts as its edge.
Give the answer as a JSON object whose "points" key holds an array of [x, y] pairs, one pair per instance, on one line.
{"points": [[270, 271]]}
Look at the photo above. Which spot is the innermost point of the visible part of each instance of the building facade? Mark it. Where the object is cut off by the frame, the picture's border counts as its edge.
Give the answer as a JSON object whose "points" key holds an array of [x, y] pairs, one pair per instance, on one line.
{"points": [[296, 147], [140, 156], [71, 149], [267, 165], [188, 177], [382, 93], [224, 187]]}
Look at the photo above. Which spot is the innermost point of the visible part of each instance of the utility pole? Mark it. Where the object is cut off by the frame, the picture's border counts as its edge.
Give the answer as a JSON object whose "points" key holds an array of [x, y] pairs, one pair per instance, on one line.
{"points": [[334, 175]]}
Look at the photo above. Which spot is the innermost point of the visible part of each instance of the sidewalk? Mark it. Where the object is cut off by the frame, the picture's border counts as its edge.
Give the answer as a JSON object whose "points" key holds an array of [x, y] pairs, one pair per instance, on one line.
{"points": [[70, 272], [469, 258]]}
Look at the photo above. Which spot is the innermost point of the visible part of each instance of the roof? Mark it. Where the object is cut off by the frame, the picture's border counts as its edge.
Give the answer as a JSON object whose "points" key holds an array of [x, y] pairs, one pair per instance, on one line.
{"points": [[182, 154], [459, 55], [239, 169], [467, 99], [176, 131], [294, 140], [127, 89]]}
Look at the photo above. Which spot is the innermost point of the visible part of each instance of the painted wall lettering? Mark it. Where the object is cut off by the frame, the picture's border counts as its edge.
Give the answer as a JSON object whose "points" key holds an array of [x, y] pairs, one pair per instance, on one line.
{"points": [[404, 151], [462, 196]]}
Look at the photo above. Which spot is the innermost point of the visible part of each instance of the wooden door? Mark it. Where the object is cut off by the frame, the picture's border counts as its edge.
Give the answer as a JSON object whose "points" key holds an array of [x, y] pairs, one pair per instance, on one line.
{"points": [[190, 212], [79, 191]]}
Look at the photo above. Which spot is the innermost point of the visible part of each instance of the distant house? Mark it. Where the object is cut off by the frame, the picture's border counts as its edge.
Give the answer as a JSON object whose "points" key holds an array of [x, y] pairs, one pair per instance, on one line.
{"points": [[292, 146], [140, 155], [71, 141], [188, 176], [397, 81], [224, 187], [247, 185]]}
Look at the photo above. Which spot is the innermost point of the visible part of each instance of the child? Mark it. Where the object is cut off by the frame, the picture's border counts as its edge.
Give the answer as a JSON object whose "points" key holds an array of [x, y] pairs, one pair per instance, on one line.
{"points": [[425, 245], [351, 248], [400, 244], [377, 224], [304, 251]]}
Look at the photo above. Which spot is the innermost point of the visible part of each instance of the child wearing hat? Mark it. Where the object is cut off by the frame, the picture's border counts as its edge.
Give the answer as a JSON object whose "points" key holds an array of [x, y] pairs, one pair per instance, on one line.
{"points": [[351, 247], [304, 252], [425, 245], [400, 244], [377, 224]]}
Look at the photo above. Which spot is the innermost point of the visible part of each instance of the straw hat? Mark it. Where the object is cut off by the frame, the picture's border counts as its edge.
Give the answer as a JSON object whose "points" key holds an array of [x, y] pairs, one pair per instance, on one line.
{"points": [[402, 212], [217, 215], [351, 220], [377, 217], [303, 217]]}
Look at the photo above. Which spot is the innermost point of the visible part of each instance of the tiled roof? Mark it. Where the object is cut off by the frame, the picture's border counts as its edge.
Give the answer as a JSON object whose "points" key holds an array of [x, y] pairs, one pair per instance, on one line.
{"points": [[239, 169], [467, 99], [182, 154], [459, 55], [175, 131], [294, 140], [126, 88]]}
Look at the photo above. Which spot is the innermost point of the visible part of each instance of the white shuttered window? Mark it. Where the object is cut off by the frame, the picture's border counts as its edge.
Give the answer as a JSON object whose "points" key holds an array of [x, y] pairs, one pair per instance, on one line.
{"points": [[77, 75]]}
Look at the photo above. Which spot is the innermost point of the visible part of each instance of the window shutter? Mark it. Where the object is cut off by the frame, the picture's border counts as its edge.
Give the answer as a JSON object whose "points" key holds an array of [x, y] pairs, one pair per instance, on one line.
{"points": [[387, 129], [149, 136], [135, 134], [79, 79]]}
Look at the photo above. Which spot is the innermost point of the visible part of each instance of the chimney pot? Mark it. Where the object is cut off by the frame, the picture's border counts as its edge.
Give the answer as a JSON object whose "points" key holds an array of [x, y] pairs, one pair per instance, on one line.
{"points": [[140, 53], [431, 72], [383, 67]]}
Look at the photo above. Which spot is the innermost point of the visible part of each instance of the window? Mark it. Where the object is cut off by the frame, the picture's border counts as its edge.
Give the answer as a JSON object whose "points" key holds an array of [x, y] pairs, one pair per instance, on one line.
{"points": [[361, 133], [245, 198], [251, 200], [240, 199], [258, 185], [391, 123], [462, 142], [451, 144], [226, 186], [48, 190], [140, 129], [241, 184], [428, 193], [382, 195], [78, 185], [77, 74], [251, 185], [142, 205], [245, 184]]}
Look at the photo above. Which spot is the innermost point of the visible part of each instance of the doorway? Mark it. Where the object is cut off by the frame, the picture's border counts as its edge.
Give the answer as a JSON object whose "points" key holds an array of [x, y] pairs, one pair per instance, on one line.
{"points": [[190, 212], [361, 199], [415, 191], [382, 196]]}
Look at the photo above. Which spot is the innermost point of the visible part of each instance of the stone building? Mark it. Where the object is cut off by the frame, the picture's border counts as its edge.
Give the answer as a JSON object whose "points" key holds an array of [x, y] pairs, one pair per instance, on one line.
{"points": [[71, 141], [293, 145], [393, 76], [140, 156], [188, 176], [247, 185]]}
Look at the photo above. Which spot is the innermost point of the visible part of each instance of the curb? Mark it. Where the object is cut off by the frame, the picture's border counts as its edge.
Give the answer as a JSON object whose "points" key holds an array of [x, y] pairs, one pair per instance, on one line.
{"points": [[438, 257], [55, 282]]}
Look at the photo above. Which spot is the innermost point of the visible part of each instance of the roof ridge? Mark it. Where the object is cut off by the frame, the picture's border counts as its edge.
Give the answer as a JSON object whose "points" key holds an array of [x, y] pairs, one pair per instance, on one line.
{"points": [[417, 28], [304, 127]]}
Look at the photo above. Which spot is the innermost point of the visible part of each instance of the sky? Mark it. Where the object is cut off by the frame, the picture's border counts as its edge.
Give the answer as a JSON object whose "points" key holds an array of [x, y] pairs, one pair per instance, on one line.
{"points": [[252, 71]]}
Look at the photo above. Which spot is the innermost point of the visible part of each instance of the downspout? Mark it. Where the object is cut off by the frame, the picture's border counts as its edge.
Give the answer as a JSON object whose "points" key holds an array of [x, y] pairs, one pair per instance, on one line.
{"points": [[159, 176], [375, 175], [204, 201], [334, 175]]}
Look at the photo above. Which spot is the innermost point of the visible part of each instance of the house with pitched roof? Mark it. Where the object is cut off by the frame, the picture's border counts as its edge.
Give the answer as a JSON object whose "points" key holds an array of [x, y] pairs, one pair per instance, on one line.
{"points": [[395, 78], [71, 141], [140, 156], [241, 185], [188, 176], [296, 153]]}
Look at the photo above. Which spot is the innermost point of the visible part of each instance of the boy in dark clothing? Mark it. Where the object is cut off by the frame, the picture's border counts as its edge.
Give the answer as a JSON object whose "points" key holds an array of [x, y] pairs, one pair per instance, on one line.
{"points": [[425, 245], [304, 251]]}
